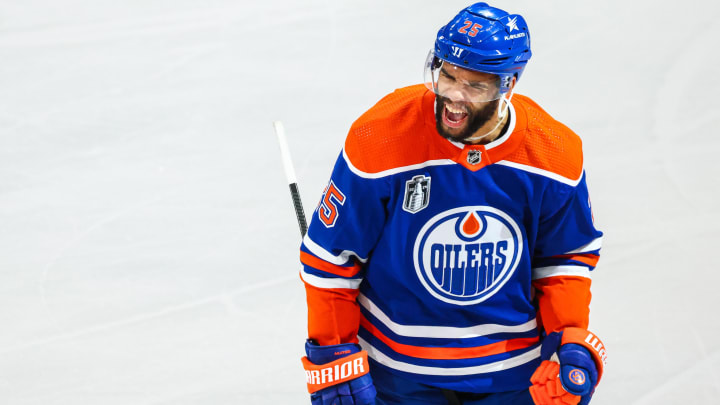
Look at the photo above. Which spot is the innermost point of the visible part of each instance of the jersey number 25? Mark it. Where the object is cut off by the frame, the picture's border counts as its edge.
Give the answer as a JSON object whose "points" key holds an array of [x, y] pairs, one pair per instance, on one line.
{"points": [[328, 210]]}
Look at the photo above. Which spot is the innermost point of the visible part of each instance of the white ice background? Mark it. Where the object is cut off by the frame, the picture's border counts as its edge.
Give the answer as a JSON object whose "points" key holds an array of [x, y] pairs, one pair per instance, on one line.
{"points": [[148, 246]]}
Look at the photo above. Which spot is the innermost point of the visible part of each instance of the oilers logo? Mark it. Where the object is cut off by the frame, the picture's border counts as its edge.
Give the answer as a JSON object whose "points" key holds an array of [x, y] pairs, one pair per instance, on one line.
{"points": [[465, 255]]}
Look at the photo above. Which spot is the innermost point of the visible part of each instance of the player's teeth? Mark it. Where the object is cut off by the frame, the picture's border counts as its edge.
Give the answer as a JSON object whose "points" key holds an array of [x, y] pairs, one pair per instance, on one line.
{"points": [[454, 110]]}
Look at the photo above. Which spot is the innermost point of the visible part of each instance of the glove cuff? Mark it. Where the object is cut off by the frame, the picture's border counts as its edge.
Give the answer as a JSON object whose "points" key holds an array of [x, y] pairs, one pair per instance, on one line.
{"points": [[341, 370], [326, 366], [589, 341]]}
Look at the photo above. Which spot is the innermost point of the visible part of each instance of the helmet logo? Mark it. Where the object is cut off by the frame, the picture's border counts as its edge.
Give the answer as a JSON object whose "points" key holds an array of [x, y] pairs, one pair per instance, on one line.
{"points": [[456, 51], [512, 24], [514, 36]]}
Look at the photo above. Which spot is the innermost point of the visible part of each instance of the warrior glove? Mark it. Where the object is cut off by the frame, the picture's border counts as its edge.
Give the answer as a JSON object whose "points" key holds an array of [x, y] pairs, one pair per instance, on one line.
{"points": [[338, 375], [572, 380]]}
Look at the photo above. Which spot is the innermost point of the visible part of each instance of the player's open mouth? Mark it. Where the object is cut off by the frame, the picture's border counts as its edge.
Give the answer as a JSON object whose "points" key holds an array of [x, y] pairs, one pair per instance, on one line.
{"points": [[454, 116]]}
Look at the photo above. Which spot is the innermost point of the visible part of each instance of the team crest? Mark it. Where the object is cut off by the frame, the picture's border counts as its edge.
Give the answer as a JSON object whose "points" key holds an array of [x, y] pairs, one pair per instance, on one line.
{"points": [[465, 255], [577, 376], [474, 157], [417, 194]]}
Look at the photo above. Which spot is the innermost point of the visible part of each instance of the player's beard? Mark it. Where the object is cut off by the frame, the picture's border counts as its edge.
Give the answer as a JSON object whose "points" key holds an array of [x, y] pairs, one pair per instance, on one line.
{"points": [[475, 120]]}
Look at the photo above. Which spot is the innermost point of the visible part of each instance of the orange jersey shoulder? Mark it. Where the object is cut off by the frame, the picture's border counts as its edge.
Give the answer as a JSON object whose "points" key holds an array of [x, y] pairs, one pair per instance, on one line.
{"points": [[548, 145], [398, 131]]}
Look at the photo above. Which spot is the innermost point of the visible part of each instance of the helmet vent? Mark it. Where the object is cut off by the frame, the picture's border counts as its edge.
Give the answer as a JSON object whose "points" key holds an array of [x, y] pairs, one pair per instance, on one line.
{"points": [[495, 61]]}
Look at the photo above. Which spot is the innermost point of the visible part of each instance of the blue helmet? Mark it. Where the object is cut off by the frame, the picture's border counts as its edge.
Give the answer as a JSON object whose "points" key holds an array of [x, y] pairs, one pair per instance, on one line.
{"points": [[485, 39]]}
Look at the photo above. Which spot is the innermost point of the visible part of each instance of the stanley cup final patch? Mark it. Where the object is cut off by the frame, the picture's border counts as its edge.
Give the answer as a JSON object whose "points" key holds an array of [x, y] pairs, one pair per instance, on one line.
{"points": [[417, 194]]}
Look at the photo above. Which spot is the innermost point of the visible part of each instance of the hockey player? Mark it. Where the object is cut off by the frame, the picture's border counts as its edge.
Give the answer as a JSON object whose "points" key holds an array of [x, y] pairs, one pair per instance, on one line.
{"points": [[449, 258]]}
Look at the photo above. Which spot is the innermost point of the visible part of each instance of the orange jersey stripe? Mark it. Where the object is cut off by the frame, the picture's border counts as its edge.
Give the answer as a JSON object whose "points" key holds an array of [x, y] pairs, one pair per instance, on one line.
{"points": [[589, 259], [312, 261], [449, 353]]}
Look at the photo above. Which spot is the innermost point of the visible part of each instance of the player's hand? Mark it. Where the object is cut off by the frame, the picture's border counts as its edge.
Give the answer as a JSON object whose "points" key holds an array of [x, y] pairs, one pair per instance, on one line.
{"points": [[338, 375], [573, 377]]}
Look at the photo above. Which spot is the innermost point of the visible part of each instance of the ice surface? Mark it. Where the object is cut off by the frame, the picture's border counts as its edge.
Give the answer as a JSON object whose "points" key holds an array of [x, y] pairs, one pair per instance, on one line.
{"points": [[148, 247]]}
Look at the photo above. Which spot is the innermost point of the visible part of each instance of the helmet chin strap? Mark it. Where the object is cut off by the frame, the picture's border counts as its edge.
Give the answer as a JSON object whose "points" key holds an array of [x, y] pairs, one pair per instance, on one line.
{"points": [[502, 113]]}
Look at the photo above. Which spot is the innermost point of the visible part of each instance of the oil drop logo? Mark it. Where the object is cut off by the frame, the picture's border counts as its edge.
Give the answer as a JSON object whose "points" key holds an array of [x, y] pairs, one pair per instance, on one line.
{"points": [[465, 255]]}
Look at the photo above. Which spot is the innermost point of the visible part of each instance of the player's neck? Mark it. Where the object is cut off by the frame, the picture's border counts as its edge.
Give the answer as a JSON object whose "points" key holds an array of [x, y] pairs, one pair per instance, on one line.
{"points": [[490, 131]]}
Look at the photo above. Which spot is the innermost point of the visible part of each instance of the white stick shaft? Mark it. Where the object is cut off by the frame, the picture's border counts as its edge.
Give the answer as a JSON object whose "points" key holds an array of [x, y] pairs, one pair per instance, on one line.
{"points": [[290, 174], [285, 152]]}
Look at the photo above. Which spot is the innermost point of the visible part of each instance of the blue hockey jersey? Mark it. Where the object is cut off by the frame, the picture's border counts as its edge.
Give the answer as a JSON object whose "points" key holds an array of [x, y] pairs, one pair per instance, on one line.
{"points": [[445, 261]]}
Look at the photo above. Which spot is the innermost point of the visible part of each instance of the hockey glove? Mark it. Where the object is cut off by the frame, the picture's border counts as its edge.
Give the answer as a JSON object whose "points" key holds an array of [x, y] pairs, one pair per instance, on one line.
{"points": [[338, 375], [572, 379]]}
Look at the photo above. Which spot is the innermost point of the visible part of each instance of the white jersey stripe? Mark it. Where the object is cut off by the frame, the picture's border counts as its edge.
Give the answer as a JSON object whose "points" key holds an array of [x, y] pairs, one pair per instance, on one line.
{"points": [[320, 252], [442, 332], [541, 172], [389, 172], [382, 358], [321, 282], [594, 245], [569, 270]]}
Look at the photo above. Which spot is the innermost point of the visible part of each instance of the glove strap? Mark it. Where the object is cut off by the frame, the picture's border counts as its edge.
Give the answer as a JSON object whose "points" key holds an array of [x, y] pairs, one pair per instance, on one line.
{"points": [[336, 372], [589, 341]]}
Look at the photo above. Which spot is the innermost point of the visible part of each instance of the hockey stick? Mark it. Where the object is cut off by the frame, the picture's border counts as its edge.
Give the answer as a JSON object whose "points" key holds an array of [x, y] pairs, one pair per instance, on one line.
{"points": [[290, 174]]}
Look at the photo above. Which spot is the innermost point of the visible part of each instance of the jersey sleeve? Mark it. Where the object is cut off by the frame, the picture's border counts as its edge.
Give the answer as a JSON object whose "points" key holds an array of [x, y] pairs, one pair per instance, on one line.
{"points": [[343, 231], [567, 249]]}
